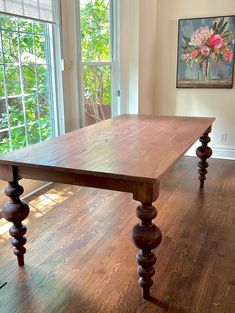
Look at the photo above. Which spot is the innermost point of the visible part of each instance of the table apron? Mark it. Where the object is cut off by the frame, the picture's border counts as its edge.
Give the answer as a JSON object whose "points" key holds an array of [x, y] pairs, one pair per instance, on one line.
{"points": [[144, 191]]}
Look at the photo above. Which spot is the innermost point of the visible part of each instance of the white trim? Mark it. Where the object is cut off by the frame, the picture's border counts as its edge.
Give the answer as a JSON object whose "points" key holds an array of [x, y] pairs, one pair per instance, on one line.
{"points": [[124, 57], [115, 57], [81, 98], [219, 152], [55, 43], [40, 188]]}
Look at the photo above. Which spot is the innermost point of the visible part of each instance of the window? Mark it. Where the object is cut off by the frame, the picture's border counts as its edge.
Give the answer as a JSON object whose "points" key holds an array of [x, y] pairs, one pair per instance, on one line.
{"points": [[26, 110], [98, 60]]}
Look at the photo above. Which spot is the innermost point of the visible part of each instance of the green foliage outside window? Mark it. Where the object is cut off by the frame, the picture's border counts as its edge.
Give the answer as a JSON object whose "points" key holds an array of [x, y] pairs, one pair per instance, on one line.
{"points": [[95, 30], [96, 47], [25, 105]]}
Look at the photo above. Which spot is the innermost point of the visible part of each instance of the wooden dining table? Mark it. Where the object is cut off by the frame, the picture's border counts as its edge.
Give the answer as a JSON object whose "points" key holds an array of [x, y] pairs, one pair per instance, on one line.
{"points": [[128, 153]]}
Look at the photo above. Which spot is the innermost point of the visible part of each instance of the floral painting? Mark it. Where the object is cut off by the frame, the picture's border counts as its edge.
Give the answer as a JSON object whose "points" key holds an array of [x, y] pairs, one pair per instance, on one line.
{"points": [[206, 52]]}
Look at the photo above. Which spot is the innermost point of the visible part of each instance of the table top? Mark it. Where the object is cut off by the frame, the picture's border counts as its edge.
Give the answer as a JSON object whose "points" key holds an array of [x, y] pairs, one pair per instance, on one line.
{"points": [[127, 146]]}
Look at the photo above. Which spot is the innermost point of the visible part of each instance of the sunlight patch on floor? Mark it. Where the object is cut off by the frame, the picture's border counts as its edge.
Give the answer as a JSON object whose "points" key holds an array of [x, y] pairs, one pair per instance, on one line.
{"points": [[39, 206]]}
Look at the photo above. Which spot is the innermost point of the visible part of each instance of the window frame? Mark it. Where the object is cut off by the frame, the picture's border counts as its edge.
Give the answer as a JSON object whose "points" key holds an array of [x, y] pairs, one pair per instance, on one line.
{"points": [[113, 63]]}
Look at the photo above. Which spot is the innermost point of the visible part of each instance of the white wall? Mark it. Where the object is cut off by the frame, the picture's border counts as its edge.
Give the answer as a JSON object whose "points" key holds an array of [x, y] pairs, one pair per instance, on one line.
{"points": [[196, 102], [129, 55], [147, 55]]}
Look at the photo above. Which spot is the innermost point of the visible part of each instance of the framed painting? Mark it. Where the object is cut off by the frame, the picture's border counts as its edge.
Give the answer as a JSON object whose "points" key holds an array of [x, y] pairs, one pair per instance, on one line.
{"points": [[205, 56]]}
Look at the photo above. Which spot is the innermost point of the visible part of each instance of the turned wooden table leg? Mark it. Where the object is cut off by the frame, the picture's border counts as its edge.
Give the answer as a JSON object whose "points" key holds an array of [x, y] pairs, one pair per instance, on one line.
{"points": [[16, 211], [203, 152], [146, 236]]}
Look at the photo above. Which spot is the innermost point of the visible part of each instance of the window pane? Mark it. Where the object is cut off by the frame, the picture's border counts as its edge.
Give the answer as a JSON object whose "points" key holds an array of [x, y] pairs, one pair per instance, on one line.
{"points": [[44, 108], [27, 48], [46, 130], [4, 142], [16, 115], [3, 114], [33, 132], [13, 81], [97, 93], [18, 138], [31, 108], [40, 49], [42, 77], [10, 47], [95, 30], [25, 25], [7, 22], [39, 27], [29, 78]]}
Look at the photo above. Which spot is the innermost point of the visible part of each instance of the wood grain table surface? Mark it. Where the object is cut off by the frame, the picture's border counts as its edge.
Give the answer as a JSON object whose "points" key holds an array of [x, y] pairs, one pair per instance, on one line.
{"points": [[128, 153], [127, 146]]}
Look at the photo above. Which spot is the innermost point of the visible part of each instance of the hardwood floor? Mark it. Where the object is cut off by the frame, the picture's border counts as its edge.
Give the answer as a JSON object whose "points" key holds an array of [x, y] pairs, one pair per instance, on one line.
{"points": [[80, 257]]}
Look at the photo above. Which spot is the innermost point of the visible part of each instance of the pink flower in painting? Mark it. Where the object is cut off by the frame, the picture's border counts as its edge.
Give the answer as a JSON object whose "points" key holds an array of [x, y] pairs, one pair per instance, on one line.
{"points": [[194, 53], [205, 50], [187, 58], [215, 41], [200, 37], [228, 55]]}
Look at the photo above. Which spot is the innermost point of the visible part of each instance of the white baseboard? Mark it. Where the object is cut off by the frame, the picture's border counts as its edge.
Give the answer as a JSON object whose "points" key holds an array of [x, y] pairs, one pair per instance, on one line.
{"points": [[219, 152], [31, 193]]}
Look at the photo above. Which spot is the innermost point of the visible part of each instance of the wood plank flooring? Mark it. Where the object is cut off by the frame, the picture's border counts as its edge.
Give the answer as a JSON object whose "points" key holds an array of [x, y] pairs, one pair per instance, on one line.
{"points": [[80, 257]]}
